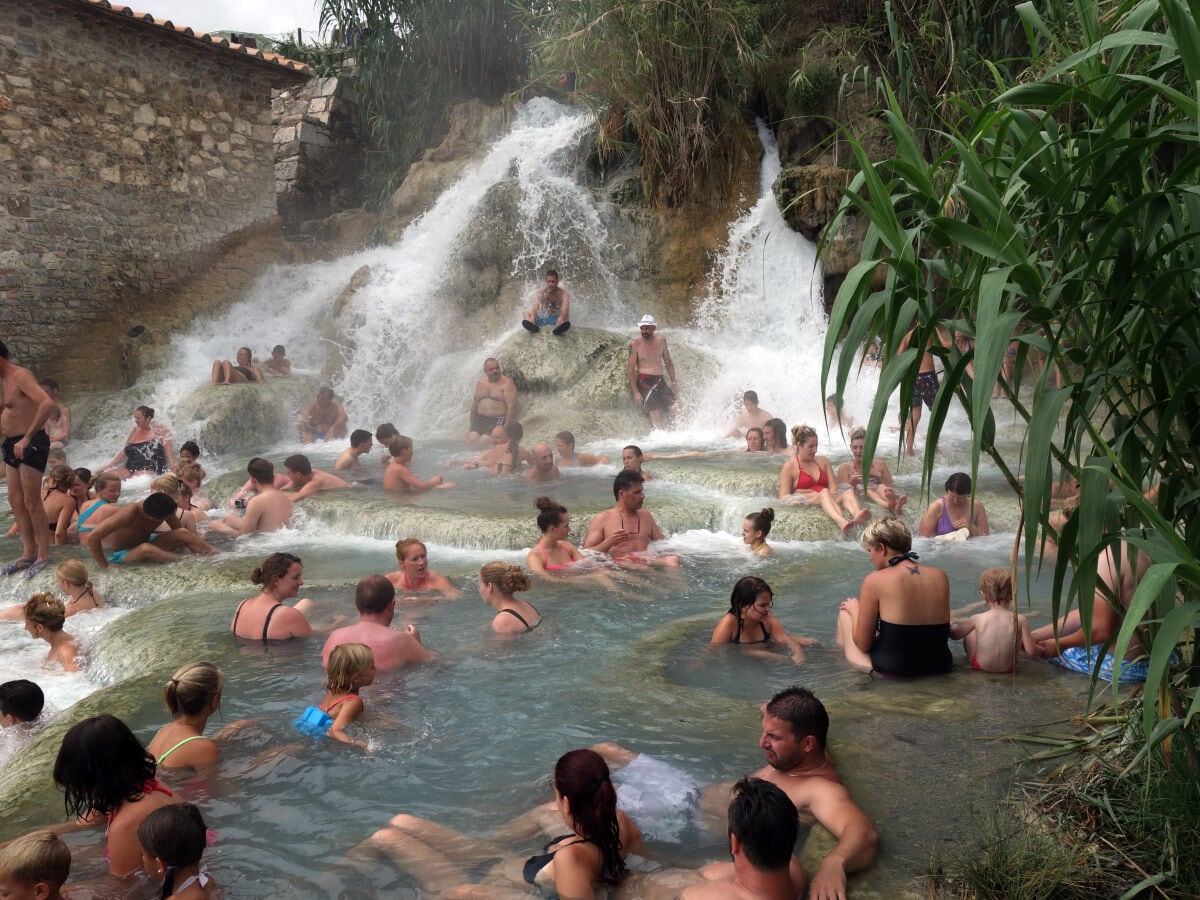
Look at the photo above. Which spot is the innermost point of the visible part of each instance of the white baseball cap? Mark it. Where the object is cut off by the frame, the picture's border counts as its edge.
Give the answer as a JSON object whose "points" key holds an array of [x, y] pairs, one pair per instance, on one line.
{"points": [[647, 320]]}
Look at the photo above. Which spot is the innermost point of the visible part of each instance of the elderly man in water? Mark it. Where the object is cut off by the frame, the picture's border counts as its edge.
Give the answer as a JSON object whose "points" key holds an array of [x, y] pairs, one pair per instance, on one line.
{"points": [[543, 468], [375, 600]]}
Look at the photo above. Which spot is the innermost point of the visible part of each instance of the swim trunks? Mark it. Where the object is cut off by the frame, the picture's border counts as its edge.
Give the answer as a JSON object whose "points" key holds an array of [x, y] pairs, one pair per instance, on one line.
{"points": [[485, 424], [655, 393], [547, 321], [116, 557], [925, 389], [35, 454], [1083, 661]]}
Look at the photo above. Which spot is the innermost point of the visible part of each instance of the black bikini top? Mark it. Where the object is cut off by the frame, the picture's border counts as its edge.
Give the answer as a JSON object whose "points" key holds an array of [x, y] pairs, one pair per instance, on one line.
{"points": [[896, 560]]}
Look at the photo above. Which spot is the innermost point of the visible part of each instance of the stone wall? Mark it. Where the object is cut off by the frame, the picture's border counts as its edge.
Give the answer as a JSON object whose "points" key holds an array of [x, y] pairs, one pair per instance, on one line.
{"points": [[129, 153], [319, 155]]}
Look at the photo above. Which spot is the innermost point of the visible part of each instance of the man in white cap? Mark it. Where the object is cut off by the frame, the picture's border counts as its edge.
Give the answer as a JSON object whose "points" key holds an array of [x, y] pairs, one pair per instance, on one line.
{"points": [[648, 354]]}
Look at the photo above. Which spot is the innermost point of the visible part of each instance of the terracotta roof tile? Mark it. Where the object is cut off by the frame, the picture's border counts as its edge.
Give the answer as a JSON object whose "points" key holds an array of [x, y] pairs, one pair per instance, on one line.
{"points": [[223, 43]]}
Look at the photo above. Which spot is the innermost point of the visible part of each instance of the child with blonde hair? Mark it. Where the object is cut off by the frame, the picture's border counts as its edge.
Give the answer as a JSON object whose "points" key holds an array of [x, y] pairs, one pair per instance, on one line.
{"points": [[44, 618], [351, 667], [35, 865], [192, 695], [173, 839], [988, 637]]}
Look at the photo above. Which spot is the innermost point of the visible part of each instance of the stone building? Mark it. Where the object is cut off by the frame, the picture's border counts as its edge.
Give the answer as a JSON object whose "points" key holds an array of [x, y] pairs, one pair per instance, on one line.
{"points": [[133, 154]]}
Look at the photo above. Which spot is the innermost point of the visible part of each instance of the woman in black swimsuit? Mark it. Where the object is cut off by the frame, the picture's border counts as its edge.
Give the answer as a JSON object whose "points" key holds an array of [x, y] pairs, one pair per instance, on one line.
{"points": [[590, 853], [750, 620], [498, 581], [265, 617], [899, 624], [147, 449]]}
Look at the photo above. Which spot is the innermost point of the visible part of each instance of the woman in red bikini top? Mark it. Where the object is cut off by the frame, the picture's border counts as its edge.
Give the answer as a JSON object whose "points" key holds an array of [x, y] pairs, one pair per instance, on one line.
{"points": [[553, 553], [806, 479], [415, 576], [100, 765]]}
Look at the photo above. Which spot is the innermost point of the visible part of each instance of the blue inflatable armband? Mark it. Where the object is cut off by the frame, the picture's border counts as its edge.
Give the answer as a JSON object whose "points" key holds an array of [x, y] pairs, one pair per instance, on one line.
{"points": [[314, 722]]}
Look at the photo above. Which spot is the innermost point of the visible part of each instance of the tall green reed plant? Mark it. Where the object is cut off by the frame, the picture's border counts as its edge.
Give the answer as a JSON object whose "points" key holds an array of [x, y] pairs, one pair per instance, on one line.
{"points": [[1064, 219]]}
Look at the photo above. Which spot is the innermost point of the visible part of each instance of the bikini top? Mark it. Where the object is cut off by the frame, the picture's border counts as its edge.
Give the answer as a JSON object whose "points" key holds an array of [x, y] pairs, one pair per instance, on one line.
{"points": [[186, 740], [805, 482], [148, 787], [87, 593], [737, 637], [546, 560], [266, 624], [535, 864], [83, 516], [201, 878]]}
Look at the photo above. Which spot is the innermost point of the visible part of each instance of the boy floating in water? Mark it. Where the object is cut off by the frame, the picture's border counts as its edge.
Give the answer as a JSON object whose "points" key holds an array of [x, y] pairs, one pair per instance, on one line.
{"points": [[988, 636]]}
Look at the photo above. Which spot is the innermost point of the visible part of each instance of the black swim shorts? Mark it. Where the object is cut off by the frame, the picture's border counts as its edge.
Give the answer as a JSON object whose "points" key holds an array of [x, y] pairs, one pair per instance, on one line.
{"points": [[35, 453], [485, 424], [655, 393]]}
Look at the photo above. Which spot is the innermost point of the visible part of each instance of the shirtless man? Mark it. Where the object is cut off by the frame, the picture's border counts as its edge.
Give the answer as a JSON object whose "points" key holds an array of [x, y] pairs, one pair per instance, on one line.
{"points": [[58, 425], [268, 510], [1076, 649], [551, 307], [375, 600], [924, 391], [648, 354], [754, 416], [543, 468], [360, 443], [26, 446], [495, 401], [306, 480], [625, 531], [128, 535], [762, 828], [323, 419], [794, 728], [564, 443]]}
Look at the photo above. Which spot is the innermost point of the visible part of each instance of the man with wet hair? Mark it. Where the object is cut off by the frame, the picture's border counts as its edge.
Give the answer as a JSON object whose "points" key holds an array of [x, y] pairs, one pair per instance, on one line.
{"points": [[26, 406], [495, 401], [753, 416], [129, 536], [625, 531], [375, 600], [324, 419], [306, 480], [360, 443], [268, 510], [763, 827], [551, 308]]}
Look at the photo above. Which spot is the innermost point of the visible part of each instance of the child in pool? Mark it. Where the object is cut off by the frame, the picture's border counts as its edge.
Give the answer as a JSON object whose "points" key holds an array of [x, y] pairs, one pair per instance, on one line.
{"points": [[192, 695], [351, 667], [988, 636], [44, 618], [36, 865], [173, 839]]}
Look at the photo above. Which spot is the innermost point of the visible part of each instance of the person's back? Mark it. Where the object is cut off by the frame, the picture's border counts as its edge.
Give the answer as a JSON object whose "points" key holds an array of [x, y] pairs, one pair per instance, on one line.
{"points": [[375, 600], [269, 510], [988, 636]]}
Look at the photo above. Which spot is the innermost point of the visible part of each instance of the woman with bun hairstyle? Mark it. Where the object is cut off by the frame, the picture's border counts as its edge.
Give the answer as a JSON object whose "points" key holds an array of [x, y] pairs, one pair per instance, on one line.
{"points": [[755, 528], [553, 553], [191, 695], [265, 617], [589, 856], [750, 621], [44, 618], [72, 578], [498, 582]]}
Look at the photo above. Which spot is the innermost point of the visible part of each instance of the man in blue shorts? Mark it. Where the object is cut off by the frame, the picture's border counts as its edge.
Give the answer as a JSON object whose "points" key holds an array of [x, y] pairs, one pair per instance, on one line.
{"points": [[551, 308]]}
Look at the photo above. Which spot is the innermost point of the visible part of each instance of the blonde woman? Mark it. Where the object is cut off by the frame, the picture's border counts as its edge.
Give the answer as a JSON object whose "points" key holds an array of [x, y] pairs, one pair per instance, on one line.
{"points": [[73, 581], [44, 618], [107, 488], [414, 575]]}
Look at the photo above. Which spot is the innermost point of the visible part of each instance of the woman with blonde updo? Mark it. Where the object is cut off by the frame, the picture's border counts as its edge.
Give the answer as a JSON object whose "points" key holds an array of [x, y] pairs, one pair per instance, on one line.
{"points": [[72, 578], [44, 618], [807, 479], [498, 581], [192, 695], [899, 624], [414, 575], [106, 488], [553, 553], [265, 617]]}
